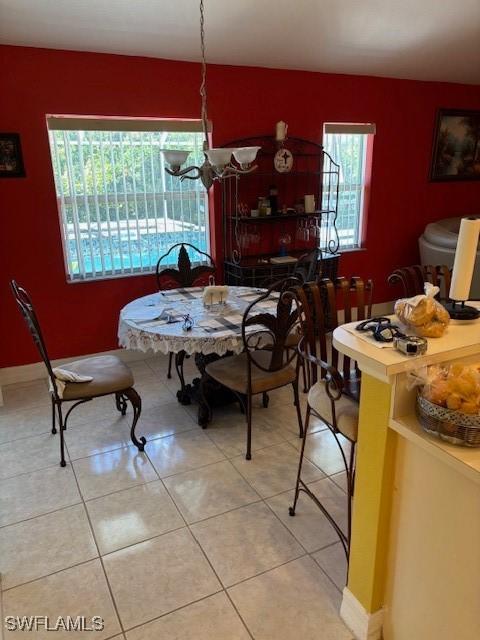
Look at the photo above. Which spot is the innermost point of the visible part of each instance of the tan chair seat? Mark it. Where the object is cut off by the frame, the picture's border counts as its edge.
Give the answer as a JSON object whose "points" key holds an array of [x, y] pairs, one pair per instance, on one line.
{"points": [[346, 410], [108, 372], [233, 373]]}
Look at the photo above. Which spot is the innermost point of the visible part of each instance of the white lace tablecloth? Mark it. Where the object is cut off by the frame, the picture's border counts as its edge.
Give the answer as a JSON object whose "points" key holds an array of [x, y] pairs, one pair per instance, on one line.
{"points": [[155, 322]]}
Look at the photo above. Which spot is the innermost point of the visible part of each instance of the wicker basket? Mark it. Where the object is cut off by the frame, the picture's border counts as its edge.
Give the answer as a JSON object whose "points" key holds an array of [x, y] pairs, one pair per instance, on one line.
{"points": [[453, 426]]}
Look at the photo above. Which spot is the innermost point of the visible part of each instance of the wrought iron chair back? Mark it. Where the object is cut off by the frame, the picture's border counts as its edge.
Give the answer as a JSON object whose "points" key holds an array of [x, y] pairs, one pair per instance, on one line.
{"points": [[271, 330], [25, 305], [412, 279], [185, 275]]}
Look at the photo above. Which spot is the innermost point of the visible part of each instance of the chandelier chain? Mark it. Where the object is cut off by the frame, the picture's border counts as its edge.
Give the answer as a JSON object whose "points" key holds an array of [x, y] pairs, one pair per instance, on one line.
{"points": [[203, 85]]}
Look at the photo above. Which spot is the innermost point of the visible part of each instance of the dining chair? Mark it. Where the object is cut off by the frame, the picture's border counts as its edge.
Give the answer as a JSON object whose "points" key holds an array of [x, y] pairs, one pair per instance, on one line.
{"points": [[184, 275], [266, 362], [107, 375], [412, 279], [334, 392]]}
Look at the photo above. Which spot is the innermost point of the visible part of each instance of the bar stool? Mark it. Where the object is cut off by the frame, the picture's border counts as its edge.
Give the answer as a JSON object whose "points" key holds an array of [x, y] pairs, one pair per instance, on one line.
{"points": [[332, 397]]}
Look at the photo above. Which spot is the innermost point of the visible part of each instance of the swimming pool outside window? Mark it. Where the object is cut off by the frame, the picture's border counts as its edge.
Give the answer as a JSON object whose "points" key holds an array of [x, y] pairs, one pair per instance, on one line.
{"points": [[119, 209]]}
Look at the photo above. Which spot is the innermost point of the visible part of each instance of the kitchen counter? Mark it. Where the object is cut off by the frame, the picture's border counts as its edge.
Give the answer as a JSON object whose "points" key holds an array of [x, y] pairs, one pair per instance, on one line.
{"points": [[414, 569]]}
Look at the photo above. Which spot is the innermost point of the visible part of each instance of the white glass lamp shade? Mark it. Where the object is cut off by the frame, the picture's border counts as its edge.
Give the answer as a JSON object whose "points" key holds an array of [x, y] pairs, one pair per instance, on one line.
{"points": [[245, 155], [219, 157], [174, 157]]}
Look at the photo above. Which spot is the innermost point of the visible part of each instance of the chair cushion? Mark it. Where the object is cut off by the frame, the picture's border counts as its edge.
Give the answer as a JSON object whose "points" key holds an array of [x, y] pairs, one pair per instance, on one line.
{"points": [[109, 375], [232, 372], [346, 410]]}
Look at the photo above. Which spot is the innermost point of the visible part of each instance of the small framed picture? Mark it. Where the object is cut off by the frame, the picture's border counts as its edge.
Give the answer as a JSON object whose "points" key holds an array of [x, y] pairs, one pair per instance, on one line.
{"points": [[456, 146], [11, 161]]}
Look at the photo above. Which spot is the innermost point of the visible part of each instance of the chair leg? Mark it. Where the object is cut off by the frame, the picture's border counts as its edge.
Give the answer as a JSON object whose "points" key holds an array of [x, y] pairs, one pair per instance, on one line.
{"points": [[304, 376], [350, 486], [248, 455], [265, 399], [291, 510], [121, 403], [297, 406], [170, 362], [54, 415], [61, 426], [136, 403]]}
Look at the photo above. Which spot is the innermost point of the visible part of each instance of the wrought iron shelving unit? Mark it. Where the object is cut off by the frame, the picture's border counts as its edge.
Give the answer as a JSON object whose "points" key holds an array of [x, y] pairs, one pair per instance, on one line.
{"points": [[250, 242]]}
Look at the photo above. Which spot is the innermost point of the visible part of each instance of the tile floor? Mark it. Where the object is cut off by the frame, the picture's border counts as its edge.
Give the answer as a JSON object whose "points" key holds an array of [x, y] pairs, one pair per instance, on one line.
{"points": [[186, 541]]}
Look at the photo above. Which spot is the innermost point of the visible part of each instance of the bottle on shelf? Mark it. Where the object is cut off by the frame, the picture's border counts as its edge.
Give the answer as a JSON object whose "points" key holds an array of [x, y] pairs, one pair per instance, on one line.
{"points": [[273, 198]]}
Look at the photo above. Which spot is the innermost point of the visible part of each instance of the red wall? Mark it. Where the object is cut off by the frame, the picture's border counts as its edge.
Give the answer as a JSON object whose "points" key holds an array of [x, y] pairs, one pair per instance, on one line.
{"points": [[82, 318]]}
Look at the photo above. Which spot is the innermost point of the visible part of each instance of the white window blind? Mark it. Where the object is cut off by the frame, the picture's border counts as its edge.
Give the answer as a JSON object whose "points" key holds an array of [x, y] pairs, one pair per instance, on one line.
{"points": [[119, 209], [347, 145]]}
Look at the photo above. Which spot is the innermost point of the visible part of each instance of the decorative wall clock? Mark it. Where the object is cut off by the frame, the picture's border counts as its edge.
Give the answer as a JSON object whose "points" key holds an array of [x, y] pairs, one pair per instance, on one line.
{"points": [[283, 160]]}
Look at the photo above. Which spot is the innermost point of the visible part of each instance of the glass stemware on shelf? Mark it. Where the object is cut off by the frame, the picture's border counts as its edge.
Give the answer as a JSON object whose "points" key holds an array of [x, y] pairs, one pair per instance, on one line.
{"points": [[248, 236]]}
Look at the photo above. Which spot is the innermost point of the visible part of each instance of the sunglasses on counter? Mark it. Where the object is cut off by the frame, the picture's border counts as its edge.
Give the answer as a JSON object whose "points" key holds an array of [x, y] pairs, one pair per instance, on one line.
{"points": [[381, 328]]}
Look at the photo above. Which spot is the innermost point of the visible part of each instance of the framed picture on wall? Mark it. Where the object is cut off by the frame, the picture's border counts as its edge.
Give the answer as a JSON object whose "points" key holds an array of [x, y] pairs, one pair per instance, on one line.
{"points": [[11, 161], [456, 146]]}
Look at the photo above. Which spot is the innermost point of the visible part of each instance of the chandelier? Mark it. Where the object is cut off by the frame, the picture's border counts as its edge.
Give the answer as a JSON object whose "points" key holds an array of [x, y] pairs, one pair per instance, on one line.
{"points": [[218, 163]]}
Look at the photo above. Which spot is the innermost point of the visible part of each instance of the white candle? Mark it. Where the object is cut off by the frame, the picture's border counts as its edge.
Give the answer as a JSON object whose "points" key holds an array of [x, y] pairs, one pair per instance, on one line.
{"points": [[281, 131]]}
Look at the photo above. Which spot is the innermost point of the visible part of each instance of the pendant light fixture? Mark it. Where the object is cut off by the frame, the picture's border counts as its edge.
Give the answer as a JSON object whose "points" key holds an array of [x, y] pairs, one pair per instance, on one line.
{"points": [[218, 163]]}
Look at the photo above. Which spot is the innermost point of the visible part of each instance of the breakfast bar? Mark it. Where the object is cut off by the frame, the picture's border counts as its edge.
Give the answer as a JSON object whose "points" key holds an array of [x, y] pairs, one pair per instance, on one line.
{"points": [[415, 556]]}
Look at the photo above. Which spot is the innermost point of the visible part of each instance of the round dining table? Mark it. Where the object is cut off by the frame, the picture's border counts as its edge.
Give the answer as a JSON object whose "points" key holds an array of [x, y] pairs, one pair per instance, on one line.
{"points": [[178, 321]]}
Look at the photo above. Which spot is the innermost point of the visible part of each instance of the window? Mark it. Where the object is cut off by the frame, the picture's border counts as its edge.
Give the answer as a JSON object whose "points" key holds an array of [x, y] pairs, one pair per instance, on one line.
{"points": [[119, 209], [347, 145]]}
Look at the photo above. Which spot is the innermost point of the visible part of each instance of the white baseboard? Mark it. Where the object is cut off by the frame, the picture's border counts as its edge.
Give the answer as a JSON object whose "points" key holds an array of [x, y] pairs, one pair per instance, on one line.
{"points": [[364, 625]]}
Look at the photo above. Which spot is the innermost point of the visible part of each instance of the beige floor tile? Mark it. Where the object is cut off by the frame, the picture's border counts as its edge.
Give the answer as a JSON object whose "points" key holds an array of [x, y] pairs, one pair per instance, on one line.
{"points": [[182, 452], [209, 491], [213, 618], [322, 449], [158, 576], [154, 393], [333, 561], [127, 517], [309, 525], [285, 416], [25, 422], [29, 454], [159, 364], [291, 601], [100, 435], [164, 420], [25, 394], [79, 591], [44, 545], [36, 493], [142, 373], [245, 542], [228, 430], [274, 470], [103, 408], [340, 480], [112, 471]]}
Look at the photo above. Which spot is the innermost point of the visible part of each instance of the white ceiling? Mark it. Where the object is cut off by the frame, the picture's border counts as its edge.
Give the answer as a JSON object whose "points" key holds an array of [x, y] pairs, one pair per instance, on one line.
{"points": [[417, 39]]}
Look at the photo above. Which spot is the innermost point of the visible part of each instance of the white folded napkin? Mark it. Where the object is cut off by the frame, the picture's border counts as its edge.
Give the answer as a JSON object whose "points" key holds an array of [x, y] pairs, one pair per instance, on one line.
{"points": [[64, 375]]}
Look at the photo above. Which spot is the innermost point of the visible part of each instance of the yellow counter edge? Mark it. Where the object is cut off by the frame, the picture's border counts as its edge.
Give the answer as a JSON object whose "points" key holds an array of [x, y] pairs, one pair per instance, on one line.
{"points": [[373, 494]]}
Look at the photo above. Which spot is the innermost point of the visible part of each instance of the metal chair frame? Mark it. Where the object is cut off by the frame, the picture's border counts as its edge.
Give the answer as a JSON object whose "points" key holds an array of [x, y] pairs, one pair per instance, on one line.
{"points": [[271, 337], [183, 276], [27, 310], [314, 352]]}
